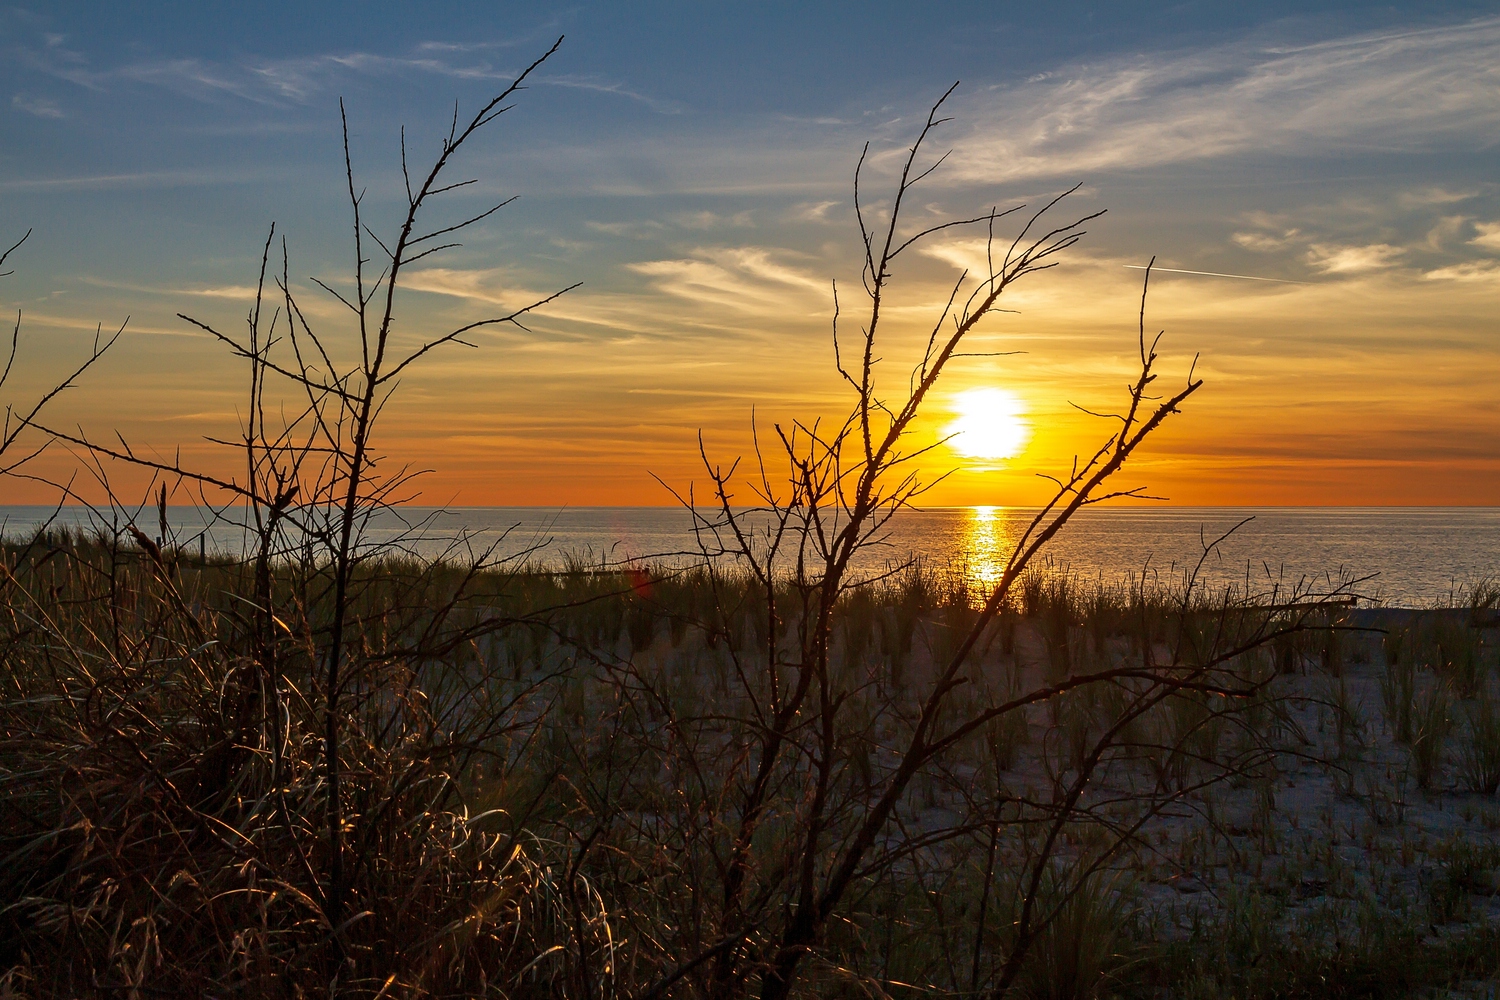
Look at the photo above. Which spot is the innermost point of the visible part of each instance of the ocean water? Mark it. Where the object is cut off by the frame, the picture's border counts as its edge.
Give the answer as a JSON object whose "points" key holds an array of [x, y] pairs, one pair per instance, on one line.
{"points": [[1402, 556]]}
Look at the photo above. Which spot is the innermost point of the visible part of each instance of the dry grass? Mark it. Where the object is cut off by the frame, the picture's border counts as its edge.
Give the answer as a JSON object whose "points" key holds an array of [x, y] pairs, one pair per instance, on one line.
{"points": [[522, 821]]}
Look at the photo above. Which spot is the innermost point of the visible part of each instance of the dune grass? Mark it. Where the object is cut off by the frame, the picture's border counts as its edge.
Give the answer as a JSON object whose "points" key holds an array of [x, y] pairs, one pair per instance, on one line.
{"points": [[522, 826]]}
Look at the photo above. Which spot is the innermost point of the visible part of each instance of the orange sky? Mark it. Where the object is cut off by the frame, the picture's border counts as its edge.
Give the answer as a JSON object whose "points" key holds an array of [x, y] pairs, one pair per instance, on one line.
{"points": [[1373, 389]]}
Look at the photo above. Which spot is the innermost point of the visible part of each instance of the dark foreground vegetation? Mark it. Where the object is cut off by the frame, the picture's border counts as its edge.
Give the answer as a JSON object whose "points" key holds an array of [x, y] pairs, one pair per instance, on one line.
{"points": [[537, 783], [326, 768]]}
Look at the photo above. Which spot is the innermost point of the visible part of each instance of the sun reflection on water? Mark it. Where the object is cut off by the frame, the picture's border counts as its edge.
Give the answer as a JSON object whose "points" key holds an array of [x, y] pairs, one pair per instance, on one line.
{"points": [[989, 536]]}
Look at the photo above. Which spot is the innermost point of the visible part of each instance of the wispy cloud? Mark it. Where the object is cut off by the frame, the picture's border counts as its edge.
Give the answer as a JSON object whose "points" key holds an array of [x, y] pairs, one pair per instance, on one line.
{"points": [[479, 286], [1367, 91], [1332, 259], [234, 292], [638, 228], [746, 280], [658, 105], [256, 79], [758, 292], [813, 211], [140, 179], [41, 107], [704, 219], [1431, 89], [481, 46], [700, 219], [1488, 235], [1469, 271], [302, 78], [1267, 242], [1428, 196], [1445, 231], [1376, 232]]}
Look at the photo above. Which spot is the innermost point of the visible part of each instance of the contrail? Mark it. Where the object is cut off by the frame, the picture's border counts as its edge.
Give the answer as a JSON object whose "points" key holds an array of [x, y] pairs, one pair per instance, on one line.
{"points": [[1220, 274]]}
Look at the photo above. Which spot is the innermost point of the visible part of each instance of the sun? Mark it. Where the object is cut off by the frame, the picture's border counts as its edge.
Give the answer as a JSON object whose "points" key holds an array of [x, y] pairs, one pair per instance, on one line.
{"points": [[991, 424]]}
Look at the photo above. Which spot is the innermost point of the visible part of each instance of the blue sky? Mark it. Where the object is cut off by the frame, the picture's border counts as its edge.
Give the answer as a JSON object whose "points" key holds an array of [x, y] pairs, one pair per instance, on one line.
{"points": [[690, 164]]}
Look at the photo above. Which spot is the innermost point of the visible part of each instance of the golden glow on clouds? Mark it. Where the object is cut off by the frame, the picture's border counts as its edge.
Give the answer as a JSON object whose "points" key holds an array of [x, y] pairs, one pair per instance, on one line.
{"points": [[991, 424], [1375, 387]]}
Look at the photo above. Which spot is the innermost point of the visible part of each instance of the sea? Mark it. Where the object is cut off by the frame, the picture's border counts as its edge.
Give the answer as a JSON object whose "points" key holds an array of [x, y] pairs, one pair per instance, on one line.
{"points": [[1412, 557]]}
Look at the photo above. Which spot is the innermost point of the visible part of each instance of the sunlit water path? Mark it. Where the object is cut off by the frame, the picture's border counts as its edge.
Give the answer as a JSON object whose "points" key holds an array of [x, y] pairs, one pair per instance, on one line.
{"points": [[1415, 556]]}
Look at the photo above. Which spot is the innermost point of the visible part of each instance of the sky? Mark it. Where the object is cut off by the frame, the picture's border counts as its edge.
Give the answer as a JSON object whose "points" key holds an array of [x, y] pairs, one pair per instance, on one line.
{"points": [[1333, 165]]}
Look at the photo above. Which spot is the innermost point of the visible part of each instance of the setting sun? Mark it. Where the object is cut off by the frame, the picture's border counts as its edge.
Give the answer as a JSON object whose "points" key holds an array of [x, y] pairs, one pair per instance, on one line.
{"points": [[991, 423]]}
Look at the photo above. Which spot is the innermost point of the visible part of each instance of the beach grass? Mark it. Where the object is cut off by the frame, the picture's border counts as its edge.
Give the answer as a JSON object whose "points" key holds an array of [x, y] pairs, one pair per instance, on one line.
{"points": [[523, 824]]}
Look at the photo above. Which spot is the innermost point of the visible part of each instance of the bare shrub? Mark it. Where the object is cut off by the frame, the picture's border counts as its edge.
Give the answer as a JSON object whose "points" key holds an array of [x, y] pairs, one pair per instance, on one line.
{"points": [[803, 835], [259, 775], [15, 450]]}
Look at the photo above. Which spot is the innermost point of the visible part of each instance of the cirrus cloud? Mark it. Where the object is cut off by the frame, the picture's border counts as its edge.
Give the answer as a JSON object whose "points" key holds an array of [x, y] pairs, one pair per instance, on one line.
{"points": [[1377, 91], [1334, 259]]}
